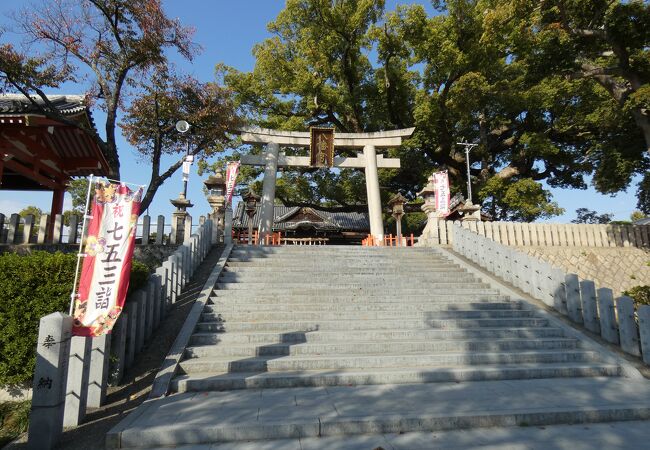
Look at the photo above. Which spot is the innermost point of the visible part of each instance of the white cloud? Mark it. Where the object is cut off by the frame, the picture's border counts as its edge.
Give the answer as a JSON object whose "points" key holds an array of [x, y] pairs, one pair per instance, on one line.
{"points": [[8, 207]]}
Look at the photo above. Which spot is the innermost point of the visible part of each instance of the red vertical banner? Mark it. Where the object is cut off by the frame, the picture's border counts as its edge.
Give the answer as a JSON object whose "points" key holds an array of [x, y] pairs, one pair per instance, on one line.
{"points": [[107, 264], [231, 179], [443, 195]]}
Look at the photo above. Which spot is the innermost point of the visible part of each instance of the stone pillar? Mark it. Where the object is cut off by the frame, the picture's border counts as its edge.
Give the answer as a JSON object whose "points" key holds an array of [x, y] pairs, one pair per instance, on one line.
{"points": [[146, 229], [12, 234], [42, 229], [74, 229], [27, 228], [268, 190], [77, 384], [372, 191], [2, 228], [50, 375], [160, 230], [227, 238], [118, 347], [57, 233], [98, 376]]}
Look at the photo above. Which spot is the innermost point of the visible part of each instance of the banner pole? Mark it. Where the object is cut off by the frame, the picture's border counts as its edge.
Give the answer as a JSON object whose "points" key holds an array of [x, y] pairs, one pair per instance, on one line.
{"points": [[80, 255]]}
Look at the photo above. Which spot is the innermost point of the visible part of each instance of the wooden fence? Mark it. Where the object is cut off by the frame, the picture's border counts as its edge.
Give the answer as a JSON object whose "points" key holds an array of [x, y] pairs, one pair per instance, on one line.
{"points": [[614, 319], [551, 234], [17, 230]]}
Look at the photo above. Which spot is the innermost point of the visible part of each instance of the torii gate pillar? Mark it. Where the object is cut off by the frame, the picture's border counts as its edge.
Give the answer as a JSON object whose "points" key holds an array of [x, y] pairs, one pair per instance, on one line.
{"points": [[268, 190], [368, 161]]}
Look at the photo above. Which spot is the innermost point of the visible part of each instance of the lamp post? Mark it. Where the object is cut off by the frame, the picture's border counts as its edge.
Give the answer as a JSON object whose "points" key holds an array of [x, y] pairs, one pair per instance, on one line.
{"points": [[183, 127], [250, 200], [182, 203], [468, 148], [216, 189], [397, 206]]}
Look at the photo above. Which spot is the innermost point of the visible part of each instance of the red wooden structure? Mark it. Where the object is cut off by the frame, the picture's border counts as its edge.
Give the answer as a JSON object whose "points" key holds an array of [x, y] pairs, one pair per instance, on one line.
{"points": [[41, 154]]}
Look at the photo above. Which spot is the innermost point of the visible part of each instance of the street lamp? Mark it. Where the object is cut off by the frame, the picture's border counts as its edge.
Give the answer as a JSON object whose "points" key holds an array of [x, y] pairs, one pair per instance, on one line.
{"points": [[216, 188], [468, 148], [397, 205], [250, 199], [183, 127]]}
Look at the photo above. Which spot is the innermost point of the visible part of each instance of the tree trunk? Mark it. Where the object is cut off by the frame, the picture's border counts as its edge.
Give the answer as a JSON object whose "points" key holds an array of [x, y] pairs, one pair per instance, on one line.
{"points": [[643, 122]]}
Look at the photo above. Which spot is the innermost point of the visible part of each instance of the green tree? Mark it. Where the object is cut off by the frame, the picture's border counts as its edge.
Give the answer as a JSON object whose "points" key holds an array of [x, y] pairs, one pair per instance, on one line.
{"points": [[585, 215], [473, 72], [149, 122]]}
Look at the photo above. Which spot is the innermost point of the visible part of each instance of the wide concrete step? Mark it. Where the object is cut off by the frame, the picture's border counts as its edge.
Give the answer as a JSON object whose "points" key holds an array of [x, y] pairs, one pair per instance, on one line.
{"points": [[345, 295], [342, 271], [259, 338], [410, 375], [370, 324], [369, 286], [378, 347], [336, 362], [185, 419], [323, 266], [239, 316], [291, 277], [345, 306]]}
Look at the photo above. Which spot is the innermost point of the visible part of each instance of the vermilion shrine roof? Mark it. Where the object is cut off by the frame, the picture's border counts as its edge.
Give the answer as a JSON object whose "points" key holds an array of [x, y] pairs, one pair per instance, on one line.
{"points": [[40, 153]]}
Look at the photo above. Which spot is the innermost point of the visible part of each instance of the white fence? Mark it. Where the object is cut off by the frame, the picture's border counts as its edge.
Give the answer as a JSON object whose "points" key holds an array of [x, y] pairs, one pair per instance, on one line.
{"points": [[551, 234], [596, 309]]}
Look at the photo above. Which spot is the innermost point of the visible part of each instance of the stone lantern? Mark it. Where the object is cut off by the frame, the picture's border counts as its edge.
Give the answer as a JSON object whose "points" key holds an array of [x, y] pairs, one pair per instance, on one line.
{"points": [[216, 194], [250, 200], [179, 217], [470, 212], [397, 209], [430, 233]]}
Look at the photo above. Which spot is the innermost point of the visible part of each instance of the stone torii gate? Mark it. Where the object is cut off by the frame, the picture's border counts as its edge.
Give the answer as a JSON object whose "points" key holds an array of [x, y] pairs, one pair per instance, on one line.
{"points": [[369, 160]]}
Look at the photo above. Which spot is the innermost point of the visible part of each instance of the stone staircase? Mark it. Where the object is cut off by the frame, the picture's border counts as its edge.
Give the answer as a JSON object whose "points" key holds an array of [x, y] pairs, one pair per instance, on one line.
{"points": [[303, 322]]}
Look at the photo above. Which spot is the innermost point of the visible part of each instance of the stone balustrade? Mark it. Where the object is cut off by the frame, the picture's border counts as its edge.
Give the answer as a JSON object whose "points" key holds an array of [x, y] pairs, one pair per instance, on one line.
{"points": [[615, 319], [548, 234], [72, 373]]}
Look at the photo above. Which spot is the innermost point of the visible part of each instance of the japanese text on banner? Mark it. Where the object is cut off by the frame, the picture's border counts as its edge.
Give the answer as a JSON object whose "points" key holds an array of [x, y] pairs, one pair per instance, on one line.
{"points": [[443, 195], [231, 179], [107, 266]]}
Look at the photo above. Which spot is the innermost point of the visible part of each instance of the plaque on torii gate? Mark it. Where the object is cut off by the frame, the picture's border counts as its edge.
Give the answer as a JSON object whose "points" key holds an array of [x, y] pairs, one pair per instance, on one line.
{"points": [[368, 160]]}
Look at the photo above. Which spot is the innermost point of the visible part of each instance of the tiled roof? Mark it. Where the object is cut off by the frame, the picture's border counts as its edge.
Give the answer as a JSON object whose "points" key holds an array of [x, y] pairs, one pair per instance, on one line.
{"points": [[349, 221], [19, 104]]}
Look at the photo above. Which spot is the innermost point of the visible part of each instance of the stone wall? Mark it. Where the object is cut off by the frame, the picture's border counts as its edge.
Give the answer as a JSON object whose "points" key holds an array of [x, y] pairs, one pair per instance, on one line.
{"points": [[617, 268]]}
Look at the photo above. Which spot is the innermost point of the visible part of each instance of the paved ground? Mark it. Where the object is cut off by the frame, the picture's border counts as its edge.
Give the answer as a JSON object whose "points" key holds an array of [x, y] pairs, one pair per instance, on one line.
{"points": [[609, 436], [282, 413], [123, 399]]}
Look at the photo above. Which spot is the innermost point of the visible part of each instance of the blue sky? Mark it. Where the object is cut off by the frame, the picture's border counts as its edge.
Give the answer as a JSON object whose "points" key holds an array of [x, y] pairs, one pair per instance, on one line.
{"points": [[227, 30]]}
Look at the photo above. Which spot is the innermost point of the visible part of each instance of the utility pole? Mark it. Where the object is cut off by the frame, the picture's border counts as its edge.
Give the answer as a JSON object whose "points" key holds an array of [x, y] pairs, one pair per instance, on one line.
{"points": [[468, 148]]}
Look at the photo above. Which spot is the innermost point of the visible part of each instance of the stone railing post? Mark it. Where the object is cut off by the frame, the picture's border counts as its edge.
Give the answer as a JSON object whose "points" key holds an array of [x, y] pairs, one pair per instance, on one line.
{"points": [[140, 298], [2, 228], [118, 348], [77, 385], [187, 230], [146, 229], [644, 331], [12, 233], [131, 309], [160, 230], [98, 375], [27, 228], [74, 229], [589, 306], [50, 377], [574, 306], [227, 232], [627, 328], [42, 229], [608, 328], [57, 233]]}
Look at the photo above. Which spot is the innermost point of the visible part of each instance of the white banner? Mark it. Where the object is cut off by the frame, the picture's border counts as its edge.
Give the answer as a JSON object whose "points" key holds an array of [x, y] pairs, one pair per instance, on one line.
{"points": [[231, 179], [443, 195]]}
